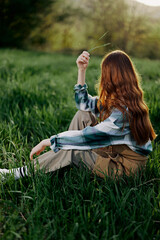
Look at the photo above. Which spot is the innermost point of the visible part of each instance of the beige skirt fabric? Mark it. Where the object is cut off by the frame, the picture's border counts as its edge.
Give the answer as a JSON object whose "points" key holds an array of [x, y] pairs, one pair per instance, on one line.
{"points": [[111, 161]]}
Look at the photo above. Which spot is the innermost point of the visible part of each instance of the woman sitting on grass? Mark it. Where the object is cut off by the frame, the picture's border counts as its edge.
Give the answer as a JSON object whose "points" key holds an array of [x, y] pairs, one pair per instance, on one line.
{"points": [[120, 142]]}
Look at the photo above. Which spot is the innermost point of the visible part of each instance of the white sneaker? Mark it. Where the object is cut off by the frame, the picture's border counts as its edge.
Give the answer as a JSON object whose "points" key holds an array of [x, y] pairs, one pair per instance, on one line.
{"points": [[3, 173]]}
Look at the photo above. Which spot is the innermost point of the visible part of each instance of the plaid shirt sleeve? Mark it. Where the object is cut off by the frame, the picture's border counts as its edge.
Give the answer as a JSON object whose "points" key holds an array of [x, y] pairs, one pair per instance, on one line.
{"points": [[84, 101], [109, 132]]}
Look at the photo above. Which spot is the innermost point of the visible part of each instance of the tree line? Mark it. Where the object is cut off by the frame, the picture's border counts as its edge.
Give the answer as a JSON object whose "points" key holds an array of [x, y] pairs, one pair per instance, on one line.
{"points": [[73, 25]]}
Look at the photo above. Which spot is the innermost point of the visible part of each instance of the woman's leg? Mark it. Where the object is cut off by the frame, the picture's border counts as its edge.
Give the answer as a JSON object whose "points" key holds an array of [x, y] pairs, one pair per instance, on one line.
{"points": [[52, 161], [82, 119]]}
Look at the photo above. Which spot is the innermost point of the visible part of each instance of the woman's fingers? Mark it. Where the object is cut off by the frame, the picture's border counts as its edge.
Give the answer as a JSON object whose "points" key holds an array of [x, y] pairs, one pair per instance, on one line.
{"points": [[83, 60], [36, 150], [31, 155], [85, 55], [40, 147]]}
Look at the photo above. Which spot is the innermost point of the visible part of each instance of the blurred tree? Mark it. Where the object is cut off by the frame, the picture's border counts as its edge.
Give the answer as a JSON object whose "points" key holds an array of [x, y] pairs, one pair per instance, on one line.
{"points": [[73, 25], [150, 46], [55, 29], [104, 16], [126, 28], [18, 18]]}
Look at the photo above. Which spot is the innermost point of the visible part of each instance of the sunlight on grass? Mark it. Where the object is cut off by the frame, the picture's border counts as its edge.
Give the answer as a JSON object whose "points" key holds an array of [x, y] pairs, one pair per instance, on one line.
{"points": [[37, 101]]}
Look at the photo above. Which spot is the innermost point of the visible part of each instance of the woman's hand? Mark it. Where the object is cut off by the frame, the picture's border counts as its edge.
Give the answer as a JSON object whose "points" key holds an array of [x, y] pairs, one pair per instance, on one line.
{"points": [[40, 147], [83, 60]]}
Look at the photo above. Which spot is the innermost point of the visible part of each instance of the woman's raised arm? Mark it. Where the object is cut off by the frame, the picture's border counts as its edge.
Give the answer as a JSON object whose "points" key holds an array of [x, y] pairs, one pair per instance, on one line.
{"points": [[82, 64]]}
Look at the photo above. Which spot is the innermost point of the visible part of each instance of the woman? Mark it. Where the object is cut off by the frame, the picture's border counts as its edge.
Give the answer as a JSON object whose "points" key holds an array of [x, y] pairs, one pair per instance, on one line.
{"points": [[120, 143]]}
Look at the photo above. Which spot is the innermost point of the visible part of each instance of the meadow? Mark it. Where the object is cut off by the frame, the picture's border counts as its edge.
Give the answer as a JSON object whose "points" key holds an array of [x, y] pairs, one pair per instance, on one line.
{"points": [[37, 101]]}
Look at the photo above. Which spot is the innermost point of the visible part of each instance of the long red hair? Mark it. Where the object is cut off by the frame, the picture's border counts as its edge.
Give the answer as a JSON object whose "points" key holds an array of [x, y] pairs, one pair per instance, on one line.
{"points": [[119, 88]]}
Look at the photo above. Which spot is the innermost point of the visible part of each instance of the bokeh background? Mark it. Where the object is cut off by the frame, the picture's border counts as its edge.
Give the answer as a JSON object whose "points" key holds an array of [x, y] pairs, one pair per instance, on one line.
{"points": [[72, 25]]}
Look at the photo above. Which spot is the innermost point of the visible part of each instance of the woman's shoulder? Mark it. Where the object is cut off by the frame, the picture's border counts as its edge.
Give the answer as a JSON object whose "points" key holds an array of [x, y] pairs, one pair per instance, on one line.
{"points": [[118, 118], [116, 114]]}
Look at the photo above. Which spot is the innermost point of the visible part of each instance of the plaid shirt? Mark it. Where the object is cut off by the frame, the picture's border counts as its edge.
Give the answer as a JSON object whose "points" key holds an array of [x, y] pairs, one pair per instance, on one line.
{"points": [[108, 132]]}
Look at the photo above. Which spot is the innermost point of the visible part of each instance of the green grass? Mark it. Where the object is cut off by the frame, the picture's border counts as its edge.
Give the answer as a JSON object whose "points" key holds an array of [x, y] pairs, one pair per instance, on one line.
{"points": [[37, 101]]}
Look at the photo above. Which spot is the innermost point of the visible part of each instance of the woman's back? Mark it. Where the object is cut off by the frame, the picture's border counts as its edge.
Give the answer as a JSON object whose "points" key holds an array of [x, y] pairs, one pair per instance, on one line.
{"points": [[119, 88], [111, 131]]}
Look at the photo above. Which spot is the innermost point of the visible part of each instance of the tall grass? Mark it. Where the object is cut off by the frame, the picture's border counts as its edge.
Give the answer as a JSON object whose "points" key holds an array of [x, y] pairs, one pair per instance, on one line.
{"points": [[37, 101]]}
